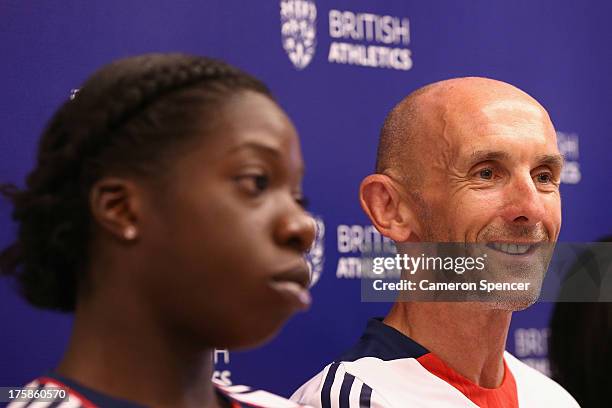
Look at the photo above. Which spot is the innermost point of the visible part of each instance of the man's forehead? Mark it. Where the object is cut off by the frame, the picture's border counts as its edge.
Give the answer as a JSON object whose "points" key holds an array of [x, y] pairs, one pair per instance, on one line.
{"points": [[480, 108], [441, 120], [503, 106], [525, 135], [498, 118], [486, 110]]}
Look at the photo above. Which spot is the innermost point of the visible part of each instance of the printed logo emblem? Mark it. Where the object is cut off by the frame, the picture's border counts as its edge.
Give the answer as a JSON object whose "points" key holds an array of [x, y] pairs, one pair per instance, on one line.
{"points": [[298, 30], [569, 147], [315, 256]]}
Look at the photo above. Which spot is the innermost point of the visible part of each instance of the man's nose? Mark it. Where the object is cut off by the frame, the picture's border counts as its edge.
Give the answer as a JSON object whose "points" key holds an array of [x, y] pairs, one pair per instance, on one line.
{"points": [[524, 202], [296, 229]]}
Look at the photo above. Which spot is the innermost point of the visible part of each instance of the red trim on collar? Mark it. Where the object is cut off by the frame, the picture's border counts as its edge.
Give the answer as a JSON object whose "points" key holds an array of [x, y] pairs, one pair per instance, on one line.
{"points": [[504, 396]]}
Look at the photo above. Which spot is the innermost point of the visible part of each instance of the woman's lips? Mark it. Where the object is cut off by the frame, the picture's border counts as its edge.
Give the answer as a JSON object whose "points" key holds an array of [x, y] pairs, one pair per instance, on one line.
{"points": [[293, 284], [297, 293]]}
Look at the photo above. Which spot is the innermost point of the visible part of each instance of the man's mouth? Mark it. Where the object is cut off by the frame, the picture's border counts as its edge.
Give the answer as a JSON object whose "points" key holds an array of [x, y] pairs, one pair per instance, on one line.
{"points": [[510, 248]]}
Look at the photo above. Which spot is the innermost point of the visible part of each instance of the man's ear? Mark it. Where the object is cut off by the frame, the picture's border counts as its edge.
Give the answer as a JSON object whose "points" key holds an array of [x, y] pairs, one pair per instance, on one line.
{"points": [[115, 205], [387, 208]]}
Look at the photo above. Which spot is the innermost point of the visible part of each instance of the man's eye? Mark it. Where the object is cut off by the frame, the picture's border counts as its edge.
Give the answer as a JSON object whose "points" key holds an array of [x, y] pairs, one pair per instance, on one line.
{"points": [[544, 178], [486, 174]]}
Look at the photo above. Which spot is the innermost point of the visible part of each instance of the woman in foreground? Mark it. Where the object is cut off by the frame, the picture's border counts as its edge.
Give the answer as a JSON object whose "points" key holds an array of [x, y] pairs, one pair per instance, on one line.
{"points": [[165, 210]]}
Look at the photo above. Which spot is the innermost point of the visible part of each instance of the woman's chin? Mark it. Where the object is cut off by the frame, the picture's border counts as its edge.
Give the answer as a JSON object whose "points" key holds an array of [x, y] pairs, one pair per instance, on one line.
{"points": [[253, 334]]}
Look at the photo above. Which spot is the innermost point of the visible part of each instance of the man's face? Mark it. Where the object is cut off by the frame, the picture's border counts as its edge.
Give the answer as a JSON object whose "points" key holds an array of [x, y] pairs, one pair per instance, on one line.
{"points": [[493, 179], [495, 176]]}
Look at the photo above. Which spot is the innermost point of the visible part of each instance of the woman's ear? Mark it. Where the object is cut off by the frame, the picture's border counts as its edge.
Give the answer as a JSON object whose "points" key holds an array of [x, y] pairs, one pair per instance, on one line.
{"points": [[387, 208], [115, 206]]}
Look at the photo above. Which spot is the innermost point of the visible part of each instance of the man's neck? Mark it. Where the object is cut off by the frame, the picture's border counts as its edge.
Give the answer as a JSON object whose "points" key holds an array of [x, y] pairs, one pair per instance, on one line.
{"points": [[468, 337]]}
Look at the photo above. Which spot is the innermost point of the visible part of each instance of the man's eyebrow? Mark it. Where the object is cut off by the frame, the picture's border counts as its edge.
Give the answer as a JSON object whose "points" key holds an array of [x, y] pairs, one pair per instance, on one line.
{"points": [[552, 160], [487, 155]]}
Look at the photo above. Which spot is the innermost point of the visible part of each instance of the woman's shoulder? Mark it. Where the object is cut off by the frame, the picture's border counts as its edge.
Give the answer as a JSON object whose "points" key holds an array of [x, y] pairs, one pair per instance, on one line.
{"points": [[54, 390]]}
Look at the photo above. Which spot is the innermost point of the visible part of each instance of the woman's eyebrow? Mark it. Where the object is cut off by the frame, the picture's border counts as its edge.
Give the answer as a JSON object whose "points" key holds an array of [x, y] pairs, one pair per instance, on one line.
{"points": [[260, 147], [268, 150]]}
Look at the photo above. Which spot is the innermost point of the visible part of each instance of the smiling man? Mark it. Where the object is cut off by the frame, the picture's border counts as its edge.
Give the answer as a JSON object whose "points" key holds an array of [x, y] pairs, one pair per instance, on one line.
{"points": [[469, 160]]}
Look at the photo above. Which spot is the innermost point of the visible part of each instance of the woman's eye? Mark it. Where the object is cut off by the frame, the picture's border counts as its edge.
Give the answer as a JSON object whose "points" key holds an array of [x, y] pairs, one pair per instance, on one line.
{"points": [[486, 174], [261, 182], [254, 183]]}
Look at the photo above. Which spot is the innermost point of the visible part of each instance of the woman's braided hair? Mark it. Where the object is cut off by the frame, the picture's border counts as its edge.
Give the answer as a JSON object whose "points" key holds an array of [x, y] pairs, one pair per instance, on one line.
{"points": [[126, 118]]}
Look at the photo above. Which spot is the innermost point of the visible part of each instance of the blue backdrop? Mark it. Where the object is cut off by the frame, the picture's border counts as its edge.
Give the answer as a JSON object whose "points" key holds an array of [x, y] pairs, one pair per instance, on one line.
{"points": [[337, 67]]}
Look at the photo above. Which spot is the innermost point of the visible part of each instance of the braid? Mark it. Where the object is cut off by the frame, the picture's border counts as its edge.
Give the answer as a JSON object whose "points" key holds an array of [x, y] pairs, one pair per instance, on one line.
{"points": [[125, 116]]}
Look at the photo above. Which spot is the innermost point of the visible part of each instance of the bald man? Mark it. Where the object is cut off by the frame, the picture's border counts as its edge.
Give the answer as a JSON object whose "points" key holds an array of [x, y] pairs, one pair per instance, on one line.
{"points": [[469, 160]]}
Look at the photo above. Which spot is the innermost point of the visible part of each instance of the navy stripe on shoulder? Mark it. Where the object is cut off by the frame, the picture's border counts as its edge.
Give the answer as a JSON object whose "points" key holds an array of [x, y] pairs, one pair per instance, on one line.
{"points": [[327, 385], [90, 397], [365, 396], [382, 341], [345, 390]]}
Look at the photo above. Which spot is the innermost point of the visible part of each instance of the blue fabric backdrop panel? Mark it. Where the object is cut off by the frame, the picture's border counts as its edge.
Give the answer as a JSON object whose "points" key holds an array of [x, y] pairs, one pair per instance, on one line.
{"points": [[337, 67]]}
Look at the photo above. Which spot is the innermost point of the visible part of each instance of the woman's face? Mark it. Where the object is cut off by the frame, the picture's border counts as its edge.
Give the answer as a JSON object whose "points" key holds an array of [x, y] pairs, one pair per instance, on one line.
{"points": [[225, 240]]}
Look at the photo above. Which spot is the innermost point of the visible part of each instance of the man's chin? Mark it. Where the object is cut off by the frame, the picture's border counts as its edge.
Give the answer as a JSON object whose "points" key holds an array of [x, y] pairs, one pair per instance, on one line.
{"points": [[511, 304]]}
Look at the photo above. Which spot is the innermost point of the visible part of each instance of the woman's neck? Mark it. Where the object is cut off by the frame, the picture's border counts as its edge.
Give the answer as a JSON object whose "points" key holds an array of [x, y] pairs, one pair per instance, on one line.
{"points": [[118, 348]]}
